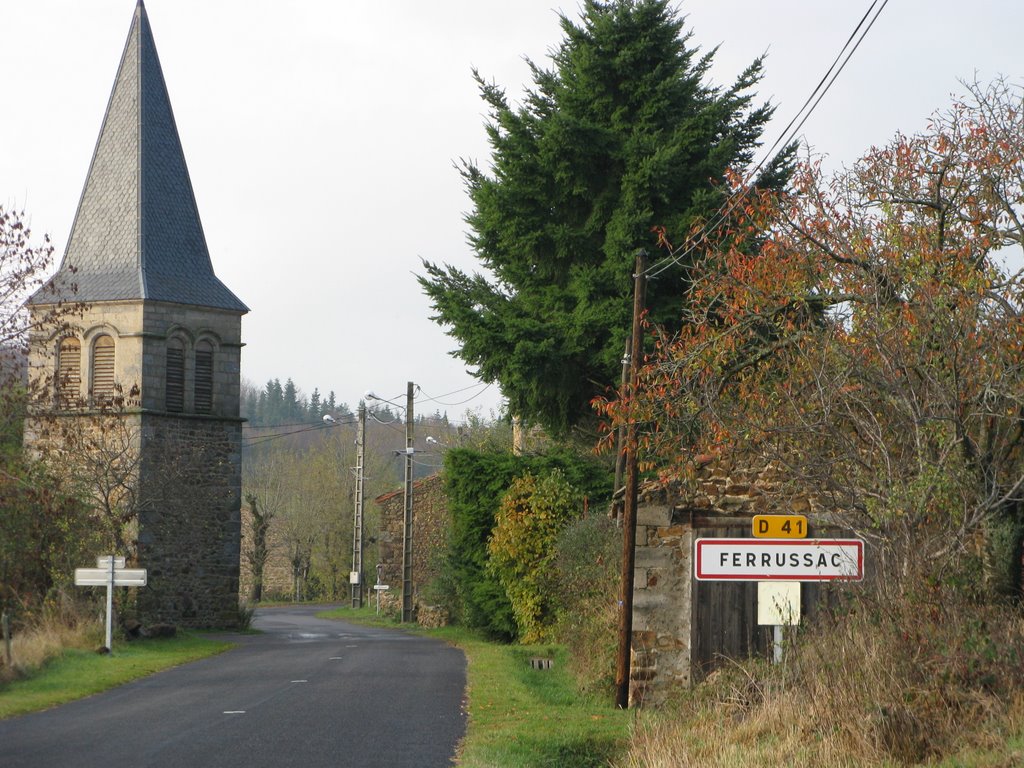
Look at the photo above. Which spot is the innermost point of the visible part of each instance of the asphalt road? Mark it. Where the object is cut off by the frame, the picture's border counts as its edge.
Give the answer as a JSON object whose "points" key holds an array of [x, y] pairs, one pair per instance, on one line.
{"points": [[307, 692]]}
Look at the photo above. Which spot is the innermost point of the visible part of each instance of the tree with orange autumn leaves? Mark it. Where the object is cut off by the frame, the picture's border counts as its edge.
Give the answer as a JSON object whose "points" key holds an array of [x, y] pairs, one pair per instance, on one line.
{"points": [[863, 332]]}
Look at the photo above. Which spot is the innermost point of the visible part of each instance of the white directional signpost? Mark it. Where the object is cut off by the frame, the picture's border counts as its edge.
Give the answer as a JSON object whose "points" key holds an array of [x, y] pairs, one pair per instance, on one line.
{"points": [[379, 586], [110, 572], [778, 564]]}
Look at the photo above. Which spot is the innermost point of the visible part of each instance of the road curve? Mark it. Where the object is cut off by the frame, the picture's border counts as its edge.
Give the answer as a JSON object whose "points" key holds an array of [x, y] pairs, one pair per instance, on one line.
{"points": [[307, 692]]}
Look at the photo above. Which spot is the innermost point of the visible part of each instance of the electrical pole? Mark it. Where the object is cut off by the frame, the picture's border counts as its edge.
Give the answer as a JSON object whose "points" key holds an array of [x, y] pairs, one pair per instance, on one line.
{"points": [[357, 520], [622, 660], [620, 439], [407, 536]]}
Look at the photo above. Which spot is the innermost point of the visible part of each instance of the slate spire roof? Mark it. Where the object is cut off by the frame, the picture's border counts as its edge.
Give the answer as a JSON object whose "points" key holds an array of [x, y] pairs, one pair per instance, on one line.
{"points": [[137, 233]]}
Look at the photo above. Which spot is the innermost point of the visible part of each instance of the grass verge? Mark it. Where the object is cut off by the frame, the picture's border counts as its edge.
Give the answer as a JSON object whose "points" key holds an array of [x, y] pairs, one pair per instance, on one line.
{"points": [[522, 717], [77, 673]]}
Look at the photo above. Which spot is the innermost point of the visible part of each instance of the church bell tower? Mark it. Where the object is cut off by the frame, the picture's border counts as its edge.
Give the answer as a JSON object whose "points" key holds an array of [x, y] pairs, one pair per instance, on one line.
{"points": [[151, 357]]}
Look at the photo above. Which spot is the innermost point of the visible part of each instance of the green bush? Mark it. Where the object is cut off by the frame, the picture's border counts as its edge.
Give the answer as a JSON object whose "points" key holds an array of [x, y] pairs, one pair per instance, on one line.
{"points": [[45, 533], [475, 483], [522, 545], [583, 583]]}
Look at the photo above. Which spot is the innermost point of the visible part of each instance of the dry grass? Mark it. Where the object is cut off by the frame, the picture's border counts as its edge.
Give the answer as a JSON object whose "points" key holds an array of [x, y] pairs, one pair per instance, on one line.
{"points": [[46, 637], [929, 678]]}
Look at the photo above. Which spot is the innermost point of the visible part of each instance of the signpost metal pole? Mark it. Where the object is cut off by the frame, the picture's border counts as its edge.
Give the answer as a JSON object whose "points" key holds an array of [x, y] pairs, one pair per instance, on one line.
{"points": [[110, 603], [377, 584], [783, 601]]}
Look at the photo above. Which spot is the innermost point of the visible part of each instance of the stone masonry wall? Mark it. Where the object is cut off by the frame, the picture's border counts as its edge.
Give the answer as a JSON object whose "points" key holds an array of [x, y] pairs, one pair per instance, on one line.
{"points": [[191, 325], [189, 523], [430, 525], [188, 466], [662, 604], [140, 331]]}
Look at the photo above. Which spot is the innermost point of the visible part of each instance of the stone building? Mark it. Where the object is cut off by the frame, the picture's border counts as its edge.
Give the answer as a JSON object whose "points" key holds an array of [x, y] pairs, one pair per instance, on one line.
{"points": [[278, 576], [151, 356], [430, 523]]}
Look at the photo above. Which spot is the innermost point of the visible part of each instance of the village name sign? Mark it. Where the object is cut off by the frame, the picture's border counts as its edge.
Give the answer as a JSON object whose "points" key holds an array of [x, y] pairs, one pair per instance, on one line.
{"points": [[778, 558]]}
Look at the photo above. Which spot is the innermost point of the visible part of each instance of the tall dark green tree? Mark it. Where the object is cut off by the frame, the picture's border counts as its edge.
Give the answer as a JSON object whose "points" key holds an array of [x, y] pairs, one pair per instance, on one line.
{"points": [[273, 410], [315, 407], [623, 134], [293, 411]]}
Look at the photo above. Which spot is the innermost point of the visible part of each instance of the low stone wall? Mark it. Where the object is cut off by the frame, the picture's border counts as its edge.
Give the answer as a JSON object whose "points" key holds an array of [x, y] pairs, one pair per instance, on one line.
{"points": [[431, 616]]}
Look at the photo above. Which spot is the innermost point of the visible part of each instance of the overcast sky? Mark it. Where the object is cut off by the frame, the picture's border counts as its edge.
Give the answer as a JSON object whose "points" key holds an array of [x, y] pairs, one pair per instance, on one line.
{"points": [[321, 138]]}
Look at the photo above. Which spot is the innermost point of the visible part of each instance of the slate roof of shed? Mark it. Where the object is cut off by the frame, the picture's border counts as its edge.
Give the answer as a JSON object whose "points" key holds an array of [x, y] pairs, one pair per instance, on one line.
{"points": [[137, 232]]}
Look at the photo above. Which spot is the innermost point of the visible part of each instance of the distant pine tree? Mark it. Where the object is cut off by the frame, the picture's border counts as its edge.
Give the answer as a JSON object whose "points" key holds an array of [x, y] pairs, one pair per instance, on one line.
{"points": [[292, 408], [274, 412], [260, 417]]}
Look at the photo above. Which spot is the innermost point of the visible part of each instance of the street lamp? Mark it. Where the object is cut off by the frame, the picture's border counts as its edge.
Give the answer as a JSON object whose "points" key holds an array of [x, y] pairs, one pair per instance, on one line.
{"points": [[407, 606]]}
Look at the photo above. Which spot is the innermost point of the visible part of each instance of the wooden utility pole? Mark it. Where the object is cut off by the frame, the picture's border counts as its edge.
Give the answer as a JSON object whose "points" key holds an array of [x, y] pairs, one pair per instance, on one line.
{"points": [[357, 520], [620, 439], [407, 604], [622, 660]]}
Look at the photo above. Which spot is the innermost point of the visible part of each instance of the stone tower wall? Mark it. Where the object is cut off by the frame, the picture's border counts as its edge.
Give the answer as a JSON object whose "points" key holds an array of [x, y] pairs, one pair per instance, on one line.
{"points": [[191, 325], [189, 522], [186, 467]]}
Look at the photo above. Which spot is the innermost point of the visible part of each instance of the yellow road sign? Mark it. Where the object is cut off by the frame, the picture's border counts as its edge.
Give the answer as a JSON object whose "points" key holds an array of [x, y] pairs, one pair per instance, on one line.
{"points": [[780, 526]]}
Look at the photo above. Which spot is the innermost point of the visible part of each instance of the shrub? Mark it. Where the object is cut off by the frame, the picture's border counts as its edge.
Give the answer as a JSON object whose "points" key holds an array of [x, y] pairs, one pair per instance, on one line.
{"points": [[532, 514], [474, 484], [45, 533], [246, 613], [583, 583]]}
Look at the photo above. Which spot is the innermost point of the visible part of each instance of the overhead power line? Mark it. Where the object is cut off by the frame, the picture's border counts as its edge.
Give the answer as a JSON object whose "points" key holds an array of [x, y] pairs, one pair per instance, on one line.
{"points": [[785, 138], [253, 440], [427, 398]]}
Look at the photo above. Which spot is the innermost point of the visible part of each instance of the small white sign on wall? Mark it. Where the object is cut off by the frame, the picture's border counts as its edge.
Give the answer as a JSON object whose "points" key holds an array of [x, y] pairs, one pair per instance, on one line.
{"points": [[778, 603]]}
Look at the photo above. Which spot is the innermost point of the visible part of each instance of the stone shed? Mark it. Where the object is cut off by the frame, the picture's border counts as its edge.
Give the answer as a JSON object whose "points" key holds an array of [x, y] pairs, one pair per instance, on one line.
{"points": [[684, 628], [430, 523]]}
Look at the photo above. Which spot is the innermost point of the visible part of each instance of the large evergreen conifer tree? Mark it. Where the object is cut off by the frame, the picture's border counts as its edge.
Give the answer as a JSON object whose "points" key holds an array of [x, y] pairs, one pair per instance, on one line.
{"points": [[621, 135]]}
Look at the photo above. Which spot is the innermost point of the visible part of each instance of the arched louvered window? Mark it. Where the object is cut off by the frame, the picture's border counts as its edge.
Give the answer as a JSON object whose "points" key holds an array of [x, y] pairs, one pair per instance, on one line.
{"points": [[175, 391], [69, 372], [102, 370], [204, 377]]}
